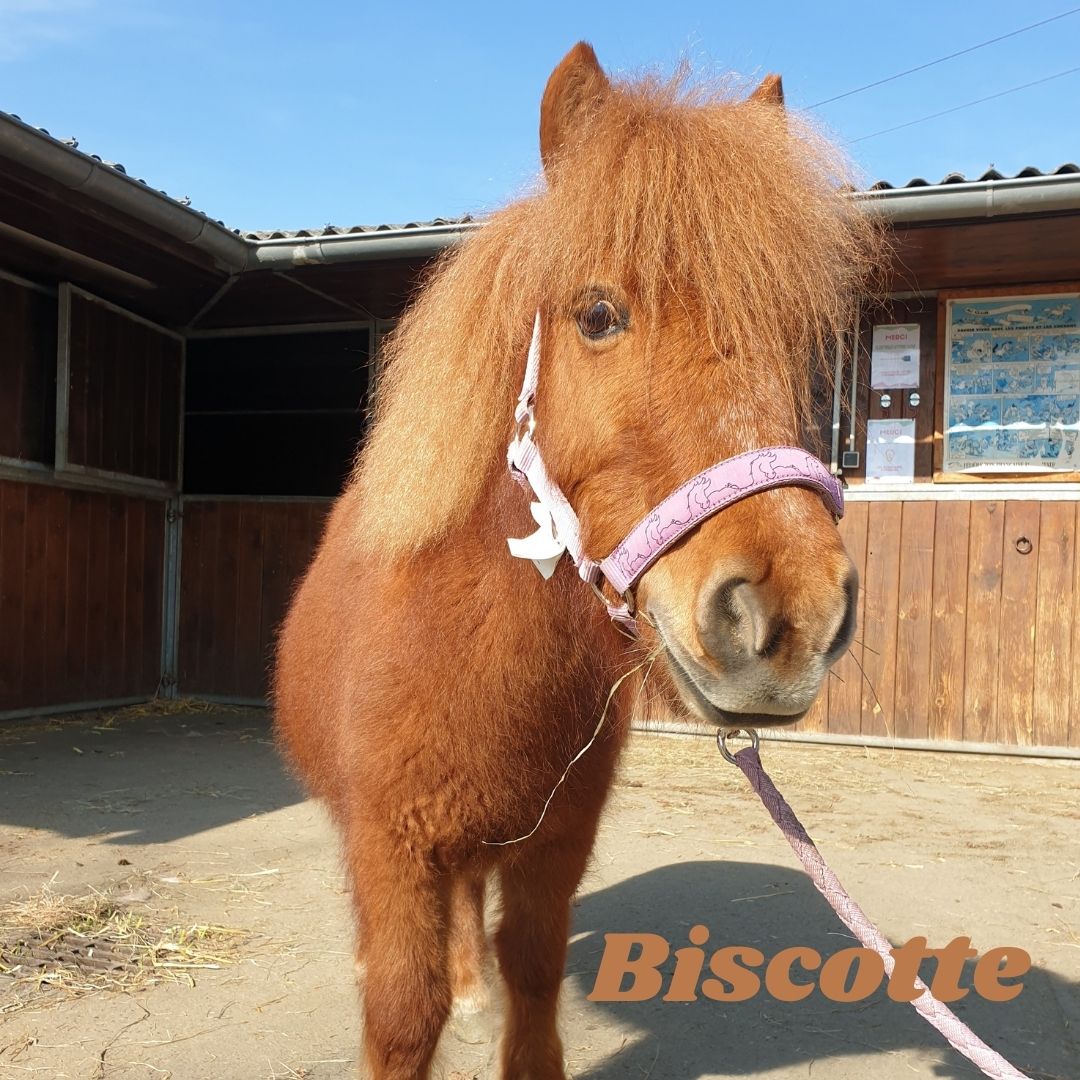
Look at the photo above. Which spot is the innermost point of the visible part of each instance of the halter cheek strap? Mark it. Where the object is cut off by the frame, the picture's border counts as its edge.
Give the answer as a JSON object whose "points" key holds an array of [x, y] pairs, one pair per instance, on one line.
{"points": [[699, 498]]}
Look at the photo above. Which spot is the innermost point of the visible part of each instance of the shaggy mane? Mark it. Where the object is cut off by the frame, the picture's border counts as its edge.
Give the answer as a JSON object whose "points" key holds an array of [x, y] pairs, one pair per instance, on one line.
{"points": [[733, 205]]}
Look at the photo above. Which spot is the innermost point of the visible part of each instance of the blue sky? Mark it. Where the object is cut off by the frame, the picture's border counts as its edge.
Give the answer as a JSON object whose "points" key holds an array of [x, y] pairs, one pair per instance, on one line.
{"points": [[275, 115]]}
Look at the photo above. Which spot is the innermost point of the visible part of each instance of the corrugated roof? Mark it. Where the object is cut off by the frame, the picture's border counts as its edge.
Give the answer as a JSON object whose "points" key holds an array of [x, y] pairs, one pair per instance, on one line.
{"points": [[960, 178], [72, 144], [329, 230], [352, 230], [879, 185]]}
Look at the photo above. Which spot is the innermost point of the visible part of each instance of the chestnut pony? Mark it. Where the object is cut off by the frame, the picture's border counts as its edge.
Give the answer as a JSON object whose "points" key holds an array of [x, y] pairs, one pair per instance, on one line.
{"points": [[689, 253]]}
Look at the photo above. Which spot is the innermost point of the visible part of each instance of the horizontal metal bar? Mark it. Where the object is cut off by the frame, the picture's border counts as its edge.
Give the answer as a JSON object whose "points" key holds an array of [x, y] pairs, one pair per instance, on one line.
{"points": [[128, 481], [327, 499], [33, 473], [226, 699], [45, 711], [274, 412], [989, 492], [281, 328], [877, 742], [22, 465]]}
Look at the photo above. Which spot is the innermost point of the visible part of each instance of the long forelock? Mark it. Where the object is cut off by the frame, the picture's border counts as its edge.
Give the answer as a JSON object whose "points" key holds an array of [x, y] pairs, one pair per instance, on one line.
{"points": [[732, 207]]}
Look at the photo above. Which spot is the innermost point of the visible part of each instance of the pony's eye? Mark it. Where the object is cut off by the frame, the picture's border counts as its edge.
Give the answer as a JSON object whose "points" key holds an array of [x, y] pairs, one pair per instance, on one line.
{"points": [[600, 318]]}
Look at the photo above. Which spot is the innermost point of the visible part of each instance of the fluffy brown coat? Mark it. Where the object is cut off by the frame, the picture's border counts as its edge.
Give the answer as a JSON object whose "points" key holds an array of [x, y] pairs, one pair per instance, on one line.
{"points": [[430, 687]]}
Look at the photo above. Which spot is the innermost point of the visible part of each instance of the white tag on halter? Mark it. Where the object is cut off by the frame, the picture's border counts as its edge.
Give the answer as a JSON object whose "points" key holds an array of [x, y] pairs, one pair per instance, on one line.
{"points": [[542, 547]]}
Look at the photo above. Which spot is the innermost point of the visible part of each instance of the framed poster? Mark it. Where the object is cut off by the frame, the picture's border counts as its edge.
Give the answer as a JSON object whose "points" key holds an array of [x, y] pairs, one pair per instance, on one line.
{"points": [[1012, 384]]}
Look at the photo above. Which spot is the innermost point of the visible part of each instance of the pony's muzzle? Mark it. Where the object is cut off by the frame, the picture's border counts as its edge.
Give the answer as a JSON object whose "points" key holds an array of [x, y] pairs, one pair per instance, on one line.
{"points": [[759, 644], [741, 623]]}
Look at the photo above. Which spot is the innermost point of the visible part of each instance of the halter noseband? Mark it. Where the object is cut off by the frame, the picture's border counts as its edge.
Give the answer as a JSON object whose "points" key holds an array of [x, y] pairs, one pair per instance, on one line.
{"points": [[683, 510]]}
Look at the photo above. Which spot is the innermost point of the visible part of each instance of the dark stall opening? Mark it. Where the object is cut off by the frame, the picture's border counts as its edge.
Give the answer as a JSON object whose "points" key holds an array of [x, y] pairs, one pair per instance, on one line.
{"points": [[27, 372], [277, 414], [272, 422]]}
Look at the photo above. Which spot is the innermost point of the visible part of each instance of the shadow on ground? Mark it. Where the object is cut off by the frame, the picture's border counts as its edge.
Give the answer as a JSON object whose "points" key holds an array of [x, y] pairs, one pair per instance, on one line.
{"points": [[770, 908], [158, 779], [142, 780]]}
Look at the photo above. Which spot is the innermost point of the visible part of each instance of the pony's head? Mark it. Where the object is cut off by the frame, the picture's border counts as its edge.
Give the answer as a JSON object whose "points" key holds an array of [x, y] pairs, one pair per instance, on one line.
{"points": [[691, 255], [708, 256]]}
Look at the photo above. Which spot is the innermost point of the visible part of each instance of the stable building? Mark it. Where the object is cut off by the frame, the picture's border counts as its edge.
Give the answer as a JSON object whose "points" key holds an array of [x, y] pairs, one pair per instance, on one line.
{"points": [[964, 471], [179, 403]]}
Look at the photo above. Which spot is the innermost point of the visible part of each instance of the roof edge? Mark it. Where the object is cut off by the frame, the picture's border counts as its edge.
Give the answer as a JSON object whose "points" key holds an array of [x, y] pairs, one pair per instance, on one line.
{"points": [[950, 200], [413, 242], [111, 186], [953, 201], [106, 184]]}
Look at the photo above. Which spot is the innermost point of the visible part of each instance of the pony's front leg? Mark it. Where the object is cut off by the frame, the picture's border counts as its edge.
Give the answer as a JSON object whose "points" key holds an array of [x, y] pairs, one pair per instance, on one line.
{"points": [[531, 944], [403, 913]]}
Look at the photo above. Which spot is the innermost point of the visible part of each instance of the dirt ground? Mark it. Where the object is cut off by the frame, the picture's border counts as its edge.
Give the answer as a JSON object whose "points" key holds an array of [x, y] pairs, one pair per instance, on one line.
{"points": [[185, 822]]}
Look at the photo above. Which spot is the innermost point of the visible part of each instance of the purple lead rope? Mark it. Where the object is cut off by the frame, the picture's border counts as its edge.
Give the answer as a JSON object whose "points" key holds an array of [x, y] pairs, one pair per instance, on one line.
{"points": [[955, 1031]]}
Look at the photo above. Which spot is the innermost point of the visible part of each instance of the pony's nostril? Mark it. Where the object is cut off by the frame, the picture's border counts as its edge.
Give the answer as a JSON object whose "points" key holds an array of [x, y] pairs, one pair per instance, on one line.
{"points": [[737, 623], [740, 624], [726, 605], [770, 646], [847, 624]]}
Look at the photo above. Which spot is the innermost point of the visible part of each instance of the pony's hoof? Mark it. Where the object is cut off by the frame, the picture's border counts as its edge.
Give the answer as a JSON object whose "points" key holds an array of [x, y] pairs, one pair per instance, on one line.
{"points": [[475, 1000], [471, 1021]]}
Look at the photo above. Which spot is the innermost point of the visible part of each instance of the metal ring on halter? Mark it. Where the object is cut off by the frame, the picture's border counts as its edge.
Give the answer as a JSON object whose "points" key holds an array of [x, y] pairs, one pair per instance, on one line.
{"points": [[836, 518], [627, 598], [723, 735]]}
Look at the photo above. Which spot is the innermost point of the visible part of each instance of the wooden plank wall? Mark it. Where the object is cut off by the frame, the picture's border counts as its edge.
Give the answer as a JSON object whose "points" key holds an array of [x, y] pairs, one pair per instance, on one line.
{"points": [[27, 373], [961, 634], [80, 595], [124, 404], [239, 563]]}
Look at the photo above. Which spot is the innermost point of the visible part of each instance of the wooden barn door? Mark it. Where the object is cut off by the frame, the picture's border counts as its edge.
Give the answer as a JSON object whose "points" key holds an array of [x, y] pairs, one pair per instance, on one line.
{"points": [[273, 416], [241, 559]]}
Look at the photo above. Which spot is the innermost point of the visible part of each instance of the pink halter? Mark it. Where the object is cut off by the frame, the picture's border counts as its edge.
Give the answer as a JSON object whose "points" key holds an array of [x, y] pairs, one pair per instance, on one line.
{"points": [[683, 510]]}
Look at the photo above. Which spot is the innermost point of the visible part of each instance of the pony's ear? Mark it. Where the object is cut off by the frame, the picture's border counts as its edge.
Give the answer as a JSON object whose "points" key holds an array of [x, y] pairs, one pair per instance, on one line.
{"points": [[576, 86], [770, 91]]}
